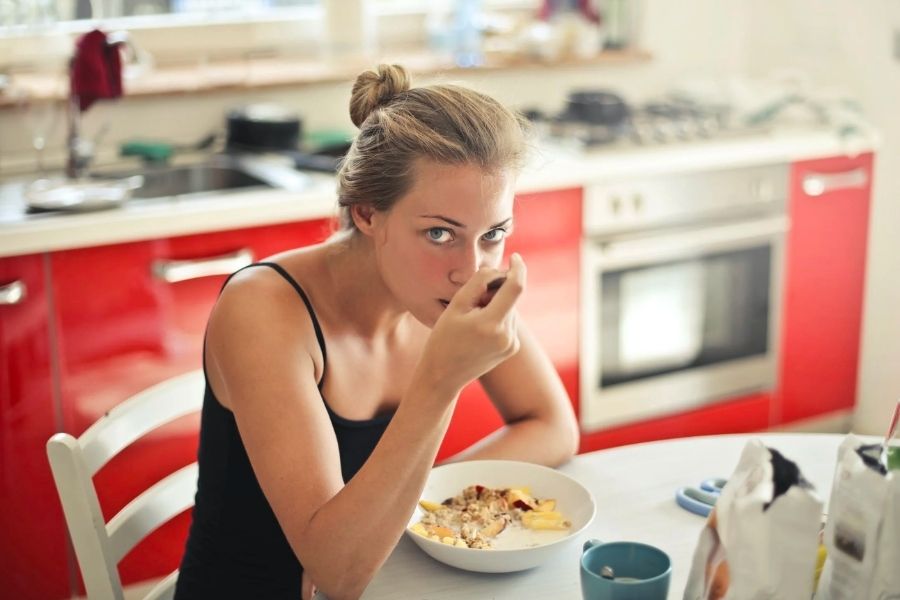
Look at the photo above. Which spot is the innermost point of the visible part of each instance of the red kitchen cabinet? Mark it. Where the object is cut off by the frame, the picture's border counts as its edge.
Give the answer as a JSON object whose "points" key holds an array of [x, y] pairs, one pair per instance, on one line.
{"points": [[741, 415], [547, 234], [825, 270], [130, 315], [33, 562]]}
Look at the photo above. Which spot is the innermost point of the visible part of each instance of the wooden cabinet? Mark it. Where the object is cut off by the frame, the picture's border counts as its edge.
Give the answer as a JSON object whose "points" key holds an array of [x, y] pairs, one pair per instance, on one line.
{"points": [[34, 557], [825, 271], [547, 233]]}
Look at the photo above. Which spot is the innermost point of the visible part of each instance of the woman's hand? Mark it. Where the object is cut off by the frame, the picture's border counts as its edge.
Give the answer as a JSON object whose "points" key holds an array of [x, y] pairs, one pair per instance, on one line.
{"points": [[476, 331]]}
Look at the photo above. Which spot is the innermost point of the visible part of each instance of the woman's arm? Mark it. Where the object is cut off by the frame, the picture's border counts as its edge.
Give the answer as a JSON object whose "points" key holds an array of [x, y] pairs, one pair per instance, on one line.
{"points": [[342, 534], [540, 423]]}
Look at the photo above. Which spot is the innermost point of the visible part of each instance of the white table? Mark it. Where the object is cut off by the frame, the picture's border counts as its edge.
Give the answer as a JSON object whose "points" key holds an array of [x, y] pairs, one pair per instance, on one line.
{"points": [[634, 487]]}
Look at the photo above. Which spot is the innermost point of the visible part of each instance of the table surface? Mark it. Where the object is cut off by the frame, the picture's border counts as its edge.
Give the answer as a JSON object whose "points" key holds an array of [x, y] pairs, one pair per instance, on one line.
{"points": [[634, 488]]}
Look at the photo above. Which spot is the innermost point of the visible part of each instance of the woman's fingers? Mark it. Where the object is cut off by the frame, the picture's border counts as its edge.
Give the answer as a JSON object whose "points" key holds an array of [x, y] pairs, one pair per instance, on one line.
{"points": [[469, 295], [508, 293]]}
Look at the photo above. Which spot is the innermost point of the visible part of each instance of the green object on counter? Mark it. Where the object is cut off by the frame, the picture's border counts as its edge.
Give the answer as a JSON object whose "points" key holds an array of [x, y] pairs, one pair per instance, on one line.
{"points": [[150, 151], [327, 137], [893, 458]]}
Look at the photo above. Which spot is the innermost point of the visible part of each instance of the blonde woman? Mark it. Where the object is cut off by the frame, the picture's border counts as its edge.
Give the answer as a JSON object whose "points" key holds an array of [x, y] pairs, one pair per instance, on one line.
{"points": [[332, 371]]}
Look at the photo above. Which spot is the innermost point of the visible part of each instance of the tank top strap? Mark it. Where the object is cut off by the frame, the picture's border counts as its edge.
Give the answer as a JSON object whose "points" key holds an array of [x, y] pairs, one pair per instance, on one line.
{"points": [[312, 313]]}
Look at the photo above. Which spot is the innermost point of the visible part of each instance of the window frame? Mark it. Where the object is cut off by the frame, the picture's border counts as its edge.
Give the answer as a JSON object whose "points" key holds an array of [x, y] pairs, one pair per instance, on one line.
{"points": [[279, 31]]}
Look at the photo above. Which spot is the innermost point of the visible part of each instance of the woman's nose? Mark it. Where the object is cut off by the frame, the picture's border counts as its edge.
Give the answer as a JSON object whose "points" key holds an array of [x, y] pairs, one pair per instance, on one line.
{"points": [[465, 265]]}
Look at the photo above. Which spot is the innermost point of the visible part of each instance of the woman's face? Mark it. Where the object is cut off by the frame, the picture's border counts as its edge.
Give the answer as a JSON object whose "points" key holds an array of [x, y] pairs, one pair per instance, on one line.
{"points": [[452, 222]]}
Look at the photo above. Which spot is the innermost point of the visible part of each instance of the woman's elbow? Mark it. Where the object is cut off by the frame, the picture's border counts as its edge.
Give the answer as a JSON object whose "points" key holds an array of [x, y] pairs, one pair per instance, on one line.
{"points": [[567, 436], [574, 438]]}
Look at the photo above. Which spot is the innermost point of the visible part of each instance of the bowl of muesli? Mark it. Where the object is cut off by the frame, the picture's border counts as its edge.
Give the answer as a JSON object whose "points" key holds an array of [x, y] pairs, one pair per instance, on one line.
{"points": [[498, 516]]}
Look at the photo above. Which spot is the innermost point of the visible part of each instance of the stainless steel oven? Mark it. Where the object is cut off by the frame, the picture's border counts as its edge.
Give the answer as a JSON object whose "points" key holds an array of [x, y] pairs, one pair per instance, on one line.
{"points": [[681, 291]]}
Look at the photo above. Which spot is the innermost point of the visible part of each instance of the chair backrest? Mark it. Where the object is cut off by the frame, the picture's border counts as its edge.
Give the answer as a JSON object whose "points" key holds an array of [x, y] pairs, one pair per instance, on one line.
{"points": [[99, 546]]}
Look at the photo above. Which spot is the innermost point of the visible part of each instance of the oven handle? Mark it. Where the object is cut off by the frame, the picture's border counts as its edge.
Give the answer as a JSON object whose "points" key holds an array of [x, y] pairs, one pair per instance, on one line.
{"points": [[614, 255]]}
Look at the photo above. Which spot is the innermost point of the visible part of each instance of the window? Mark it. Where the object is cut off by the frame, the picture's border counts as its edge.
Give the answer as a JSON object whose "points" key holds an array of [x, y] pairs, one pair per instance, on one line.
{"points": [[37, 35]]}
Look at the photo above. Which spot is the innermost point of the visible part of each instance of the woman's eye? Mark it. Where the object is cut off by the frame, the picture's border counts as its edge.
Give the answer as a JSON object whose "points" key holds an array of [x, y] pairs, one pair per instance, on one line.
{"points": [[494, 235], [439, 235]]}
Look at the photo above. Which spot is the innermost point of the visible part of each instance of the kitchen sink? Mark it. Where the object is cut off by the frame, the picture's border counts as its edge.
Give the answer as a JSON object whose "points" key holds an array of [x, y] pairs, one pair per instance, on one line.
{"points": [[215, 174], [192, 179]]}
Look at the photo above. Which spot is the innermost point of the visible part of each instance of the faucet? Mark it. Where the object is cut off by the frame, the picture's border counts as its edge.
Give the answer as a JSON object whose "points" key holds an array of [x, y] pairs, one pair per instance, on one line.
{"points": [[80, 150]]}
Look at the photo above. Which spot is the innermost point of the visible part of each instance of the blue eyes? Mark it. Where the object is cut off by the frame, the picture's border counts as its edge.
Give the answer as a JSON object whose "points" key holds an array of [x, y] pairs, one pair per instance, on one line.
{"points": [[442, 235], [494, 235], [438, 235]]}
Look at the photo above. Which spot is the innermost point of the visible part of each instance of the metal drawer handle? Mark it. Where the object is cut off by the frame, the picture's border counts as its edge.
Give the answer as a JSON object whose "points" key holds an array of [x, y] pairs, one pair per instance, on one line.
{"points": [[173, 271], [13, 293], [817, 184]]}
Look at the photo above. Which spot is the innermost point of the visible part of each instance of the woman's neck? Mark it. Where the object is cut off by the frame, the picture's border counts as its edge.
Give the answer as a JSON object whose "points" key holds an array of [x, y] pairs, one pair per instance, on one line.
{"points": [[359, 292]]}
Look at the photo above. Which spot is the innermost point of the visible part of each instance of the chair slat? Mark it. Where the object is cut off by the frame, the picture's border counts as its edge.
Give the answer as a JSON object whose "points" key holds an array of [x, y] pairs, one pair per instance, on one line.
{"points": [[158, 504], [165, 589], [139, 415]]}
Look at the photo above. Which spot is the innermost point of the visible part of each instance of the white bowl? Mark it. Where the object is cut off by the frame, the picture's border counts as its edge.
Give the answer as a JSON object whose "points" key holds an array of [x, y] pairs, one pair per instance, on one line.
{"points": [[513, 553]]}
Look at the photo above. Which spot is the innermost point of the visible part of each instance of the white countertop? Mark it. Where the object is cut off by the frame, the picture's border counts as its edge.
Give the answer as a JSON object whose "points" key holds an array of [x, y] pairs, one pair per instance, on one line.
{"points": [[551, 167], [634, 488]]}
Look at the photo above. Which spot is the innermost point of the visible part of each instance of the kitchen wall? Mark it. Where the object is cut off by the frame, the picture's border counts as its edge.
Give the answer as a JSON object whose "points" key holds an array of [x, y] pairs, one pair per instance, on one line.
{"points": [[679, 39], [842, 43], [850, 45]]}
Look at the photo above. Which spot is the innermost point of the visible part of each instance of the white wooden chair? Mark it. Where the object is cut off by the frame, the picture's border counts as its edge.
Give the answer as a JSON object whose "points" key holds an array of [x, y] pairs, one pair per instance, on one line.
{"points": [[99, 546]]}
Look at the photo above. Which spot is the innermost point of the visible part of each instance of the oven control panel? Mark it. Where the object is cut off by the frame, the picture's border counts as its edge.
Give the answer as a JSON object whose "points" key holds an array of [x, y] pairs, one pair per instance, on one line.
{"points": [[628, 205]]}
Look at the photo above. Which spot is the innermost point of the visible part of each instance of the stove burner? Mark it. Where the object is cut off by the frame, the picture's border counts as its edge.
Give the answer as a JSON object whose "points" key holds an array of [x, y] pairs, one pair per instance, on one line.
{"points": [[654, 122]]}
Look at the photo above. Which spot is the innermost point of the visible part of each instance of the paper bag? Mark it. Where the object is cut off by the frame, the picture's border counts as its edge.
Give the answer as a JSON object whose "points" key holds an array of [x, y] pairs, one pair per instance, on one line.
{"points": [[862, 533], [760, 540]]}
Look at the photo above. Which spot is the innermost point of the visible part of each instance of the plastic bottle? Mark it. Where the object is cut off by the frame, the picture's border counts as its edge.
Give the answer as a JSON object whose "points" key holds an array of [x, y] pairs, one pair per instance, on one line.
{"points": [[467, 51]]}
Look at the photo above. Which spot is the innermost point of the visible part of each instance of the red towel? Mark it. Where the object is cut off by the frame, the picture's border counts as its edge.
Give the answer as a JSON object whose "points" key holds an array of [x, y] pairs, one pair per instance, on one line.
{"points": [[96, 69]]}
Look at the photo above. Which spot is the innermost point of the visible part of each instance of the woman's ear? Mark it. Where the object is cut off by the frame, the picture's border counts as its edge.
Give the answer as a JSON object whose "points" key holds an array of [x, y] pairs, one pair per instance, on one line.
{"points": [[363, 216]]}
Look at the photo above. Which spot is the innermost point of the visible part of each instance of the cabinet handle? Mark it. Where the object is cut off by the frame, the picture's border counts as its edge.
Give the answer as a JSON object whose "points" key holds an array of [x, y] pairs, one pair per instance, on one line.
{"points": [[817, 184], [173, 271], [13, 293]]}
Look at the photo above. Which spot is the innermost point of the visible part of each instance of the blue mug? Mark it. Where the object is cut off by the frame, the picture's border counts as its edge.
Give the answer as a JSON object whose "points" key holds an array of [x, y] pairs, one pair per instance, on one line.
{"points": [[639, 571]]}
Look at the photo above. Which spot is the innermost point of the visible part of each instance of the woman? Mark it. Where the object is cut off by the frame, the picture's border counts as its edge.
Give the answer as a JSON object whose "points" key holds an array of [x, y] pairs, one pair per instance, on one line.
{"points": [[332, 371]]}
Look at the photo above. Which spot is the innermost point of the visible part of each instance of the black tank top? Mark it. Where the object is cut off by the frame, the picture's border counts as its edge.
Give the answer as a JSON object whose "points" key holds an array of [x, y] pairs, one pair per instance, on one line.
{"points": [[235, 547]]}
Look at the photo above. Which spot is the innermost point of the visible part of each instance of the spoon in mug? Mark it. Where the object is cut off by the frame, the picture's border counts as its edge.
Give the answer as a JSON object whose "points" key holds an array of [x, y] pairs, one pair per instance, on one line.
{"points": [[606, 572], [892, 429]]}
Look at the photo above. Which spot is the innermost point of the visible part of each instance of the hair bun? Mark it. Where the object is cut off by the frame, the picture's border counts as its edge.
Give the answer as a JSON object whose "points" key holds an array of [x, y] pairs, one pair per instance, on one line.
{"points": [[373, 89]]}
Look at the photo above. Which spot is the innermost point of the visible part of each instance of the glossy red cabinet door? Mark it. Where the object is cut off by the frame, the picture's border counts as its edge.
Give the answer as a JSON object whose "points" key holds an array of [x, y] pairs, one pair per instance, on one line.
{"points": [[547, 232], [124, 327], [825, 271], [33, 559], [741, 415]]}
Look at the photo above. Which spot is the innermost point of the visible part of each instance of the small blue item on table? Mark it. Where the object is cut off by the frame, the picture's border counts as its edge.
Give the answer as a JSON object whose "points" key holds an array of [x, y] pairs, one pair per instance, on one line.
{"points": [[700, 500]]}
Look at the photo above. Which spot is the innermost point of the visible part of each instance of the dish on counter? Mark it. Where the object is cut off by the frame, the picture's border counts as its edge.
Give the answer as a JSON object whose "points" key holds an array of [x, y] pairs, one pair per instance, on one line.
{"points": [[79, 195], [516, 548]]}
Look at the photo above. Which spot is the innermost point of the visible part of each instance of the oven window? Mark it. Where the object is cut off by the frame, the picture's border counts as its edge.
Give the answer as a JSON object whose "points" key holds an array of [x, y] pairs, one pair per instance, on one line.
{"points": [[684, 314]]}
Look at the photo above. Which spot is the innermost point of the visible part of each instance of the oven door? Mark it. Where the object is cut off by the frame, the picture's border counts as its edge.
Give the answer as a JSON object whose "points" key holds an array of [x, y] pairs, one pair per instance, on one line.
{"points": [[677, 319]]}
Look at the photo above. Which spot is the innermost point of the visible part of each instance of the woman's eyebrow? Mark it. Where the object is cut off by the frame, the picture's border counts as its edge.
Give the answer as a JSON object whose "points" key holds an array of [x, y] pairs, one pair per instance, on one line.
{"points": [[460, 225]]}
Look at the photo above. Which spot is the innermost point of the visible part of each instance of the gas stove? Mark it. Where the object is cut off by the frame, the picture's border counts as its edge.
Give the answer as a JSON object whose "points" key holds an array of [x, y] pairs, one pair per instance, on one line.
{"points": [[647, 124]]}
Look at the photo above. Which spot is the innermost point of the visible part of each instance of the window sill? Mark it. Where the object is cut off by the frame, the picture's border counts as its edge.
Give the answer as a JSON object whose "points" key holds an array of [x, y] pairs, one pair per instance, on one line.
{"points": [[260, 73]]}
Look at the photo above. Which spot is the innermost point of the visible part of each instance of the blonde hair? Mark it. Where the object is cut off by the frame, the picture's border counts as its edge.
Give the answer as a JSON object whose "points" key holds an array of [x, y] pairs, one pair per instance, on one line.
{"points": [[448, 124]]}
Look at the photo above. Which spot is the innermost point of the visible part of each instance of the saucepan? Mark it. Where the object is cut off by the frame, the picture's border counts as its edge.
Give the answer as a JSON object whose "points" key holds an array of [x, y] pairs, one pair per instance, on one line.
{"points": [[273, 128], [598, 107]]}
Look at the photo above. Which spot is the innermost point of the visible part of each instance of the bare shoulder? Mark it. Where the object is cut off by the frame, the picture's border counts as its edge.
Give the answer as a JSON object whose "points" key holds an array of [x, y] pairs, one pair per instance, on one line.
{"points": [[259, 324]]}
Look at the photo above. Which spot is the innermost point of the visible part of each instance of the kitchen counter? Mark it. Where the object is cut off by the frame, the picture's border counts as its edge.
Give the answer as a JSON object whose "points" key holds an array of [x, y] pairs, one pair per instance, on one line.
{"points": [[552, 166]]}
